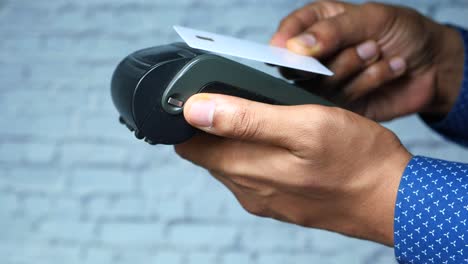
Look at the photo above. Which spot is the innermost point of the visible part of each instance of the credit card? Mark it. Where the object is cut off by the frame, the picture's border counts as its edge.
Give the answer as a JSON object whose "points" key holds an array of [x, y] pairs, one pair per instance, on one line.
{"points": [[227, 45]]}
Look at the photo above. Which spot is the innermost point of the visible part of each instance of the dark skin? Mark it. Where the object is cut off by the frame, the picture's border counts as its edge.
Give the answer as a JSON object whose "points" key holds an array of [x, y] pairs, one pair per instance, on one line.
{"points": [[428, 82], [328, 167]]}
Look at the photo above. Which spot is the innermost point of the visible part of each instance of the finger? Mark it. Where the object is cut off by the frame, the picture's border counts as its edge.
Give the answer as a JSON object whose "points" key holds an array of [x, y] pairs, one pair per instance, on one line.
{"points": [[351, 61], [372, 78], [254, 168], [397, 98], [246, 184], [233, 157], [241, 193], [267, 200], [301, 19], [238, 118], [345, 65], [328, 36], [250, 199], [294, 24], [226, 181]]}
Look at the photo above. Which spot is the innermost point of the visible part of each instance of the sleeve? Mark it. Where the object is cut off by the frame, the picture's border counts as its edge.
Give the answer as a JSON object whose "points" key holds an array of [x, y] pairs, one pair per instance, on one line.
{"points": [[431, 213], [455, 125]]}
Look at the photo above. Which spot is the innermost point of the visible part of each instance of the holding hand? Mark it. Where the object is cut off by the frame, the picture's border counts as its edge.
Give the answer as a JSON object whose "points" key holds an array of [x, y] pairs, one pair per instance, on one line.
{"points": [[388, 61], [310, 165], [327, 167]]}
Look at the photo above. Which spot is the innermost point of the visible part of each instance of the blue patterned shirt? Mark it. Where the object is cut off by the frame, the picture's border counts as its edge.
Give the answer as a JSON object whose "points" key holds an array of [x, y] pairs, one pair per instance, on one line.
{"points": [[432, 204]]}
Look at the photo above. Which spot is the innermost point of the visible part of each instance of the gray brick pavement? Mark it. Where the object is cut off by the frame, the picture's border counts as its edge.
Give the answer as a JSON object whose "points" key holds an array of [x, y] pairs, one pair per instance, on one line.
{"points": [[76, 187]]}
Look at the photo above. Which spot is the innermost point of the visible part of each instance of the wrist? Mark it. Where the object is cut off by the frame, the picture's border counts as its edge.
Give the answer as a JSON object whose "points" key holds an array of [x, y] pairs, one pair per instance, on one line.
{"points": [[368, 210], [449, 63], [385, 196], [375, 212]]}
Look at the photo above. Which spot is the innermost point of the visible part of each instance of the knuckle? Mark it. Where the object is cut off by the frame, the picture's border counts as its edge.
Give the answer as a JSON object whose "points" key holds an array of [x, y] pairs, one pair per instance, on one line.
{"points": [[244, 124], [181, 151], [309, 183], [230, 161], [330, 8], [314, 133], [255, 208], [328, 33], [373, 6], [375, 74], [319, 118], [370, 113], [333, 120], [288, 21], [240, 123], [380, 11], [225, 164], [304, 221], [266, 192], [283, 22], [350, 61]]}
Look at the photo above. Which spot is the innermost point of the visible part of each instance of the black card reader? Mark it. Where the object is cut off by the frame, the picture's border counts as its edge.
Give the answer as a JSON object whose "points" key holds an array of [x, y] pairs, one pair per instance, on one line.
{"points": [[150, 86]]}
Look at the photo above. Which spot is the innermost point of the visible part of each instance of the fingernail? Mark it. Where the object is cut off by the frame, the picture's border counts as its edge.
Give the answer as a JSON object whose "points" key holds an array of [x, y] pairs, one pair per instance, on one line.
{"points": [[306, 40], [201, 113], [304, 44], [397, 65], [367, 50], [278, 40]]}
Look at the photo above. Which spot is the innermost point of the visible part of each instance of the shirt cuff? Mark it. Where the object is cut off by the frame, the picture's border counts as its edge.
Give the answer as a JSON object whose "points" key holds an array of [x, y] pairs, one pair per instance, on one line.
{"points": [[431, 212]]}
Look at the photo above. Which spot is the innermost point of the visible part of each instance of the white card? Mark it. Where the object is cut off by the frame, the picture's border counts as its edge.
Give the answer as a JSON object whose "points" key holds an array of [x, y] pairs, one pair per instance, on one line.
{"points": [[249, 50]]}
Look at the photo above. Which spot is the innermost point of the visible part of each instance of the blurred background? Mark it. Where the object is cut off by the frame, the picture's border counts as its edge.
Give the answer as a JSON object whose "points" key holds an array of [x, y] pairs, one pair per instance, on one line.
{"points": [[77, 187]]}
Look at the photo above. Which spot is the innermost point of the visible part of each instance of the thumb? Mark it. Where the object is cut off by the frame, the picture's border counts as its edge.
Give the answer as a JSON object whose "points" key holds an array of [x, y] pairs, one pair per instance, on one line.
{"points": [[238, 118], [330, 35]]}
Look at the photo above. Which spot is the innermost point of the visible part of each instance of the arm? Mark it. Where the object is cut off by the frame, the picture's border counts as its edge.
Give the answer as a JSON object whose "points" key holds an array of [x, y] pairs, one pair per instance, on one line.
{"points": [[455, 124], [431, 212]]}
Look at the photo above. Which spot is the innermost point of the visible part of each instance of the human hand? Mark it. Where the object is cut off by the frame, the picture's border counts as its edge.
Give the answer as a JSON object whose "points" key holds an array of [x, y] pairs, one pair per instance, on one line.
{"points": [[310, 165], [388, 61]]}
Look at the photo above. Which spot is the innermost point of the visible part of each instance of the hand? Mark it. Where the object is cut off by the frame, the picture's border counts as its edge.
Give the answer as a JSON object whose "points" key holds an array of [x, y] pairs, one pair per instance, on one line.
{"points": [[311, 165], [388, 61]]}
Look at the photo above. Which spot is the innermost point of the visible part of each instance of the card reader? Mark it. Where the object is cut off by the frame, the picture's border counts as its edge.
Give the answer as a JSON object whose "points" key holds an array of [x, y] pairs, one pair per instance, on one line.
{"points": [[150, 86]]}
